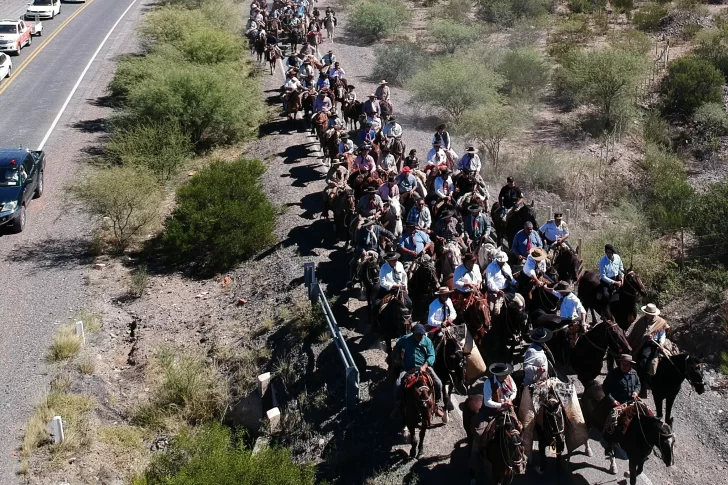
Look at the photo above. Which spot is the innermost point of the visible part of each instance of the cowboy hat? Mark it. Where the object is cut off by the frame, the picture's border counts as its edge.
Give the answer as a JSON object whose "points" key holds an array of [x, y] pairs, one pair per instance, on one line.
{"points": [[392, 119], [350, 86], [538, 254], [330, 52], [367, 223], [474, 208], [470, 257], [370, 190], [500, 369], [372, 95], [540, 335], [563, 287], [501, 257], [651, 309], [471, 150], [365, 148], [448, 213], [441, 126], [344, 135], [558, 213], [626, 357], [409, 225], [391, 256], [383, 82], [436, 144], [443, 290]]}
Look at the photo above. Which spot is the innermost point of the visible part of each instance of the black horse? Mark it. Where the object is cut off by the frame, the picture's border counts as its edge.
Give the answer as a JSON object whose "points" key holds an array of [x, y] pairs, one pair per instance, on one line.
{"points": [[551, 433], [643, 433], [622, 305], [666, 383], [369, 277], [449, 364], [392, 321], [567, 264], [423, 282], [514, 222], [508, 329]]}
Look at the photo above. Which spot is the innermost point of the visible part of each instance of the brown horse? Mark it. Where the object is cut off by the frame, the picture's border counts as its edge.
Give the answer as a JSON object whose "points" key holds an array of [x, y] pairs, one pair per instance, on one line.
{"points": [[501, 446], [475, 313], [418, 407], [294, 103], [352, 112], [320, 124], [344, 209], [622, 307], [271, 55]]}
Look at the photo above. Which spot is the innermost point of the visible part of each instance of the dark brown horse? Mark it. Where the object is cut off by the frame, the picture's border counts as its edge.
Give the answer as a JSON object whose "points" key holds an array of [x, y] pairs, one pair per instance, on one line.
{"points": [[449, 363], [666, 383], [418, 407], [352, 112], [320, 124], [622, 307], [271, 55], [474, 312], [294, 104], [504, 450], [344, 208], [567, 263]]}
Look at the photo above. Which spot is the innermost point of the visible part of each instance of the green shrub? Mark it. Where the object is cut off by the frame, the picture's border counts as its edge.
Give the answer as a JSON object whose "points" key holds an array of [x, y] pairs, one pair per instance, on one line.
{"points": [[689, 83], [633, 41], [398, 63], [526, 73], [623, 6], [713, 47], [669, 192], [656, 130], [708, 216], [214, 455], [490, 125], [132, 71], [711, 120], [586, 6], [528, 32], [449, 34], [648, 17], [372, 20], [171, 24], [458, 10], [506, 13], [212, 46], [223, 217], [161, 147], [214, 105], [568, 36], [129, 197], [435, 84]]}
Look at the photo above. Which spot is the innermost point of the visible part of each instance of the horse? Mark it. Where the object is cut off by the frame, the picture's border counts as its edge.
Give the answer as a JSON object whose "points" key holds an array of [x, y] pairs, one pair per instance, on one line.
{"points": [[330, 145], [509, 327], [344, 208], [504, 450], [450, 363], [643, 433], [393, 319], [369, 277], [422, 285], [338, 87], [551, 430], [271, 55], [391, 217], [330, 26], [294, 103], [352, 112], [474, 312], [567, 263], [622, 305], [307, 99], [260, 45], [515, 220], [418, 407], [586, 358], [320, 125], [670, 374]]}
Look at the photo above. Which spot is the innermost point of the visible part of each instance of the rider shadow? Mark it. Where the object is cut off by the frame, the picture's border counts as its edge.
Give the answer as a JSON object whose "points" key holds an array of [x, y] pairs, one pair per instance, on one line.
{"points": [[279, 127], [297, 153], [311, 204], [435, 470], [304, 175], [311, 238]]}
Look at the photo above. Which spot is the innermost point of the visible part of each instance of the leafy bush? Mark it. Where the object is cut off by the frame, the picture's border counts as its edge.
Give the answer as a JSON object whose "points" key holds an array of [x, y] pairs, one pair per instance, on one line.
{"points": [[223, 216], [633, 41], [372, 20], [447, 83], [623, 6], [128, 196], [506, 13], [526, 73], [161, 147], [670, 194], [713, 48], [490, 125], [648, 17], [711, 120], [709, 213], [586, 6], [689, 83], [457, 10], [169, 25], [398, 63], [656, 130], [449, 34], [568, 36], [213, 454], [132, 71]]}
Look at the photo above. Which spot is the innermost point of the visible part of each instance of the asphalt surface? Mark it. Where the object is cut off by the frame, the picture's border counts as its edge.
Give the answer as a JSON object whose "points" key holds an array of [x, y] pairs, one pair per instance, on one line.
{"points": [[42, 268]]}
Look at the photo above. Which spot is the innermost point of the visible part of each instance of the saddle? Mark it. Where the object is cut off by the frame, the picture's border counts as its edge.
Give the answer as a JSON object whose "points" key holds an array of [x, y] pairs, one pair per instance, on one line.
{"points": [[416, 377], [485, 428], [623, 417]]}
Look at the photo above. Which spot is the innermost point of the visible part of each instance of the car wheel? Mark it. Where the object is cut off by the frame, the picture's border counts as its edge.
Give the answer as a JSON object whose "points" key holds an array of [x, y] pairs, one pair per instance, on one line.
{"points": [[39, 188], [19, 221]]}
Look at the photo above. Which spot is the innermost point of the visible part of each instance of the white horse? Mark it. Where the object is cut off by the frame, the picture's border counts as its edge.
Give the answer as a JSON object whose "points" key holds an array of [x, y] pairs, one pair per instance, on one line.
{"points": [[330, 27]]}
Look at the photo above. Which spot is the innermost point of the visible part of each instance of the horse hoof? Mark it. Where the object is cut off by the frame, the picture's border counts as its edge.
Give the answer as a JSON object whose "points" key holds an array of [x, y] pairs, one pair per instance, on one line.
{"points": [[626, 474], [445, 417], [420, 453], [413, 453], [589, 451]]}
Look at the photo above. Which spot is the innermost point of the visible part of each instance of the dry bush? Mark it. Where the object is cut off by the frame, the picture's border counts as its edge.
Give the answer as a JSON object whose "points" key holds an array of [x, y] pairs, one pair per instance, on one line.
{"points": [[66, 344], [87, 367]]}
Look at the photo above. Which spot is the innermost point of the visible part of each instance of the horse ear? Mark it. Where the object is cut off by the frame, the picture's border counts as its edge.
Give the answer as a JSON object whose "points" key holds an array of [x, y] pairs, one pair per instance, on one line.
{"points": [[629, 270]]}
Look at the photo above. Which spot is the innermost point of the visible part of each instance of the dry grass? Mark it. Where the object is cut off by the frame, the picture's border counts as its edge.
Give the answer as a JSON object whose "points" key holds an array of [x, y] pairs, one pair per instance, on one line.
{"points": [[123, 439], [66, 344], [87, 367], [91, 321]]}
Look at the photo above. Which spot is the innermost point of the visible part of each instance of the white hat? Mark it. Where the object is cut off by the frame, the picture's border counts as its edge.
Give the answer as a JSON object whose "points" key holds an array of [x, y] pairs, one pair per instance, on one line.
{"points": [[501, 257], [651, 309]]}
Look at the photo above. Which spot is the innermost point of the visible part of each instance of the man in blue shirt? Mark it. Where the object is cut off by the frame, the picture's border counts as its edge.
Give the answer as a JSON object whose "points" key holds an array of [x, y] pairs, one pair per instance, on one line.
{"points": [[611, 272], [418, 353], [525, 240], [413, 242]]}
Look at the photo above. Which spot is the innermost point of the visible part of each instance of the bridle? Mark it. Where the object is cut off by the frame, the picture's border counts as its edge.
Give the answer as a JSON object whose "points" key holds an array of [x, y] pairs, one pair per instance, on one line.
{"points": [[505, 451], [609, 336], [631, 281], [445, 333], [660, 434]]}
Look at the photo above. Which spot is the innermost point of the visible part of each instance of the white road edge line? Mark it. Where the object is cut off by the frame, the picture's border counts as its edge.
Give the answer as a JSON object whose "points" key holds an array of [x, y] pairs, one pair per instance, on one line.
{"points": [[83, 74]]}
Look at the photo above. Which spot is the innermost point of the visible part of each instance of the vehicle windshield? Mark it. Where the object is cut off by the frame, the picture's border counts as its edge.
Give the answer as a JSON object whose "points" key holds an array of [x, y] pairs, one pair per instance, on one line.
{"points": [[7, 29], [42, 2], [9, 177]]}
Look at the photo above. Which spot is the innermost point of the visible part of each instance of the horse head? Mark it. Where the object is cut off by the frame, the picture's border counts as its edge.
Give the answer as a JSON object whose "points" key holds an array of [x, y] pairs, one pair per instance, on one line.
{"points": [[694, 373], [665, 438], [616, 338], [553, 422], [512, 450], [634, 282], [454, 358]]}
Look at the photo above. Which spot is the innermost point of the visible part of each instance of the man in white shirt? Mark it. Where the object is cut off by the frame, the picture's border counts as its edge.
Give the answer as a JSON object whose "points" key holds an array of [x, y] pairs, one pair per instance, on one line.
{"points": [[442, 312], [499, 390], [345, 144], [555, 231], [571, 309], [498, 278], [436, 156], [392, 129], [470, 161], [444, 188], [392, 277], [533, 269], [611, 272], [467, 277], [535, 361]]}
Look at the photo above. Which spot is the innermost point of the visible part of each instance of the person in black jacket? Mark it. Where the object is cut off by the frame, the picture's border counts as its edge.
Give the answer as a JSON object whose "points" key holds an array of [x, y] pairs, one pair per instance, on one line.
{"points": [[368, 238], [621, 387]]}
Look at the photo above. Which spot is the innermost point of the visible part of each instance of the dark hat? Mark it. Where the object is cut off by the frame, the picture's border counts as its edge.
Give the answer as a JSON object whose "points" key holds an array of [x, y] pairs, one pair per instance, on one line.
{"points": [[609, 247], [470, 257], [500, 369], [541, 335], [471, 150], [419, 329], [626, 357], [350, 86], [474, 208], [367, 222], [558, 213], [330, 52], [409, 225], [370, 190], [563, 287], [509, 180], [441, 126], [392, 255], [391, 178], [448, 213], [365, 147], [344, 135], [392, 119]]}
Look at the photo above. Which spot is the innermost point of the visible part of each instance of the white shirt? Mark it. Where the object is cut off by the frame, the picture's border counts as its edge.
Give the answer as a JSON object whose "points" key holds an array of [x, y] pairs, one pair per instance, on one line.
{"points": [[533, 359], [470, 162], [293, 83], [553, 232], [389, 276], [495, 276], [347, 147], [443, 188], [531, 266], [506, 394], [392, 130], [436, 156], [439, 312], [571, 307], [462, 276], [388, 164]]}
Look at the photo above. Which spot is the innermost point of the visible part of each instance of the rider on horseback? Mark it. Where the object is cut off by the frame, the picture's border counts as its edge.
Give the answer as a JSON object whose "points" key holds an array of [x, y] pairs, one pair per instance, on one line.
{"points": [[573, 315], [499, 281], [444, 188], [368, 238], [477, 226], [411, 160], [345, 144], [322, 82], [419, 215], [499, 391], [392, 277], [336, 73], [467, 277], [350, 96], [441, 136], [535, 360], [525, 240], [414, 242], [647, 338], [329, 59], [510, 196], [371, 107], [389, 190], [392, 129], [442, 312], [436, 156], [533, 270], [555, 231], [418, 354], [370, 205], [382, 91], [611, 273], [621, 388]]}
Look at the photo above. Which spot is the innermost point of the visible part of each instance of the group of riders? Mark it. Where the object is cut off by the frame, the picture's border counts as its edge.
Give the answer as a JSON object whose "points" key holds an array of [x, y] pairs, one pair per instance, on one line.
{"points": [[406, 216]]}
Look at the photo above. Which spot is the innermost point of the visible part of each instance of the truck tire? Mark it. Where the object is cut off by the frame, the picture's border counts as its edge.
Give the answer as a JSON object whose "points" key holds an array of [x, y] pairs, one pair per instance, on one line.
{"points": [[19, 221], [39, 188]]}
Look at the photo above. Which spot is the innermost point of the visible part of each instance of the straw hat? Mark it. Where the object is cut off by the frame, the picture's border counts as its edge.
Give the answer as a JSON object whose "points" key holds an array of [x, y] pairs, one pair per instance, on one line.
{"points": [[383, 82], [443, 290], [501, 257], [538, 254], [651, 309], [626, 357]]}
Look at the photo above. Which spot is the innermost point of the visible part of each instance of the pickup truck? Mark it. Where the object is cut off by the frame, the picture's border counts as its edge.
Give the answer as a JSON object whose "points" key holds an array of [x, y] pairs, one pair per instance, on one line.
{"points": [[16, 34], [21, 180], [44, 9]]}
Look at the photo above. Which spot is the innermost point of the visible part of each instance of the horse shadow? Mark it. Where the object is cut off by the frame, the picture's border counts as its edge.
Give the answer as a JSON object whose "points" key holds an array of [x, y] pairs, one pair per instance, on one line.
{"points": [[311, 204], [311, 238], [435, 470], [304, 175], [296, 153], [282, 126]]}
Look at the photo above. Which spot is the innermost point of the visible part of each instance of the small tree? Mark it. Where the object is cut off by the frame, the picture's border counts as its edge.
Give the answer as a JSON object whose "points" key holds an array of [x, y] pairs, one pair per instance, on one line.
{"points": [[689, 83], [649, 16], [458, 10], [711, 120], [128, 196], [375, 19], [714, 49], [671, 195], [398, 63], [455, 84], [450, 34], [526, 73], [490, 125]]}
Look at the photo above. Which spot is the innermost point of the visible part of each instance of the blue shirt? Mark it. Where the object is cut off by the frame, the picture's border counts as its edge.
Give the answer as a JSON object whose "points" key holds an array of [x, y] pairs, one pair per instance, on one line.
{"points": [[416, 243], [415, 354], [520, 242], [610, 269]]}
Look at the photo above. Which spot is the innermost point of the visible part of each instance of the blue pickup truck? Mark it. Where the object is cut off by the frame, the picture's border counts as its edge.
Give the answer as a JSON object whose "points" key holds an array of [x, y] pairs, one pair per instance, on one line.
{"points": [[21, 179]]}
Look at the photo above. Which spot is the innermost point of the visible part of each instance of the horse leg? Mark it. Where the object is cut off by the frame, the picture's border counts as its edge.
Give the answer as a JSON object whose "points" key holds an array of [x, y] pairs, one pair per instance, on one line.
{"points": [[421, 448], [413, 437], [610, 361], [668, 413], [612, 459], [658, 404], [588, 450], [633, 473], [541, 451]]}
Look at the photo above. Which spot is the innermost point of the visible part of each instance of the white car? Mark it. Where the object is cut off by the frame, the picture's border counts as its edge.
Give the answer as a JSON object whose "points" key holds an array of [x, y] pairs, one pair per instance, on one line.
{"points": [[43, 9], [6, 65]]}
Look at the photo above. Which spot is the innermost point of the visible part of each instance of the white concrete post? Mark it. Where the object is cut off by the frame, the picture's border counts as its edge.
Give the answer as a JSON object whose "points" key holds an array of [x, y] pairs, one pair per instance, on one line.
{"points": [[274, 419], [80, 332], [263, 383], [568, 215], [57, 430]]}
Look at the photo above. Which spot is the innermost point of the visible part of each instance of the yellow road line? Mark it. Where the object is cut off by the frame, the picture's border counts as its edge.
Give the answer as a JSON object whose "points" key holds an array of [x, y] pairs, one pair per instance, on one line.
{"points": [[34, 54]]}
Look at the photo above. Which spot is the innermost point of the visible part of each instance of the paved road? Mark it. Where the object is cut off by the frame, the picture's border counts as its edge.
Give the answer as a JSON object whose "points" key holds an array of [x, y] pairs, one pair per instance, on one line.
{"points": [[42, 267]]}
